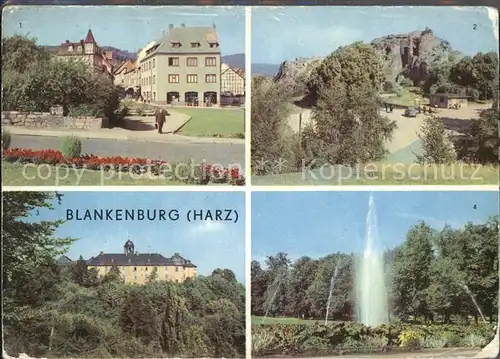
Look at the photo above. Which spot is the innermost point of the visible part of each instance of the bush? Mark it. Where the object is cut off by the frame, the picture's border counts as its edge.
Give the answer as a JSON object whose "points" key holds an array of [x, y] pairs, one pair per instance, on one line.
{"points": [[6, 138], [406, 82], [71, 147], [437, 147]]}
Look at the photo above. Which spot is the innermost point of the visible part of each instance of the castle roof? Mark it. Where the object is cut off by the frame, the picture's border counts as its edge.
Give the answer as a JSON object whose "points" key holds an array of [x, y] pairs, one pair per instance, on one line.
{"points": [[90, 37], [139, 259]]}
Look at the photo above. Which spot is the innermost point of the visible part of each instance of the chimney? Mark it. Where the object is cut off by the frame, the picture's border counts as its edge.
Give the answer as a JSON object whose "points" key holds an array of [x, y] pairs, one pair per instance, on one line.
{"points": [[183, 25], [213, 26], [67, 41], [101, 253], [171, 26]]}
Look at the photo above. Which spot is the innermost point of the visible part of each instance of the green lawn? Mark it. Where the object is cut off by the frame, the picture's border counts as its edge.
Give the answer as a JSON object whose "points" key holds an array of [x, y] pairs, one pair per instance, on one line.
{"points": [[406, 97], [207, 122], [256, 320], [12, 175], [383, 173]]}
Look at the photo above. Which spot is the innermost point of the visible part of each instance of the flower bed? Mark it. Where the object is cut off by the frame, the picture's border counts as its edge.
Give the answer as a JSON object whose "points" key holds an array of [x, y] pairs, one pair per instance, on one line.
{"points": [[350, 338], [189, 173]]}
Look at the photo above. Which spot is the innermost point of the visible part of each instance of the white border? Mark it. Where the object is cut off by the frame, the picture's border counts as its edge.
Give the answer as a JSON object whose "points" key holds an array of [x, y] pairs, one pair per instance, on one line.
{"points": [[248, 192]]}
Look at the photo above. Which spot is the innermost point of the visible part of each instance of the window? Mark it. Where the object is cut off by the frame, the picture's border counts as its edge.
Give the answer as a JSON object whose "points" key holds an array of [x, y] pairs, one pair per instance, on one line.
{"points": [[210, 78], [210, 61], [154, 63], [176, 269], [213, 44], [135, 269], [154, 79], [149, 80], [195, 44], [173, 79], [192, 61], [173, 61], [154, 96], [70, 48], [192, 79]]}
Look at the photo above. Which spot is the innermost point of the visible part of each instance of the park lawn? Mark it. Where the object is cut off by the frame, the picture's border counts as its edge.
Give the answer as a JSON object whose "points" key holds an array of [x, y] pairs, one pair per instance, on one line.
{"points": [[207, 122], [406, 97], [12, 175], [383, 173], [256, 320]]}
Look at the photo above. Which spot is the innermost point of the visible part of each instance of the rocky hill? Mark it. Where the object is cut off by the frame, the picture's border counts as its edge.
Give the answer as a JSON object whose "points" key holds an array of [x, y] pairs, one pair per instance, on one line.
{"points": [[412, 54]]}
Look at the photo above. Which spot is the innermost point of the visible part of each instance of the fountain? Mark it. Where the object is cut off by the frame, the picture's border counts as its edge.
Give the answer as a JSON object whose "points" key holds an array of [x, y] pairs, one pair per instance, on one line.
{"points": [[371, 291], [276, 284], [332, 285]]}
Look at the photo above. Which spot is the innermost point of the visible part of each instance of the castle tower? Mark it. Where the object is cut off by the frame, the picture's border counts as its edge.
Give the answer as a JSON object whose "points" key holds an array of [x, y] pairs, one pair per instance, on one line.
{"points": [[128, 248]]}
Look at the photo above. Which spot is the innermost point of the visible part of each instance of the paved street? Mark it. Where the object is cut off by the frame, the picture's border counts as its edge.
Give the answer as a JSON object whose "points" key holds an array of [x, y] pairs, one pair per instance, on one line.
{"points": [[224, 154]]}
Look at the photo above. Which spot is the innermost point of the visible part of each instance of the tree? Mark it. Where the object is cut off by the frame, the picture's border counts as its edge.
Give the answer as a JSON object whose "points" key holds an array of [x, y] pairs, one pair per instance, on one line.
{"points": [[482, 141], [153, 276], [412, 275], [348, 127], [84, 276], [113, 275], [437, 147], [172, 333], [28, 245], [272, 141]]}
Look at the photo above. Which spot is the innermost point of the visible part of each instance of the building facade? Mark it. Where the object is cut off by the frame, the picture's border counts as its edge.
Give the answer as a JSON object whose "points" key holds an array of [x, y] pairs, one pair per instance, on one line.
{"points": [[137, 267], [127, 77], [232, 86], [444, 100], [183, 68], [87, 51]]}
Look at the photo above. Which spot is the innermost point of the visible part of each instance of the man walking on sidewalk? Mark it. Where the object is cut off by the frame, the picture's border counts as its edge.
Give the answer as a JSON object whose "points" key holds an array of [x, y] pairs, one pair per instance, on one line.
{"points": [[160, 114]]}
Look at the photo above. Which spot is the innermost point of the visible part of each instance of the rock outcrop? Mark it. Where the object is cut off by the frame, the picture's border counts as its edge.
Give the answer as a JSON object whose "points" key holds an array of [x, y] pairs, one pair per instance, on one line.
{"points": [[411, 54]]}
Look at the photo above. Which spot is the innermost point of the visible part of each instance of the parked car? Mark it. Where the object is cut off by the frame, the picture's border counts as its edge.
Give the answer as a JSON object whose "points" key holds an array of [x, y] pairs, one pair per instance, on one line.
{"points": [[411, 112]]}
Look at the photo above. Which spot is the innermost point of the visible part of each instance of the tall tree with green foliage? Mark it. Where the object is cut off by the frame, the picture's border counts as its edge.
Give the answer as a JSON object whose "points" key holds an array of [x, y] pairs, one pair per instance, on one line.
{"points": [[348, 127]]}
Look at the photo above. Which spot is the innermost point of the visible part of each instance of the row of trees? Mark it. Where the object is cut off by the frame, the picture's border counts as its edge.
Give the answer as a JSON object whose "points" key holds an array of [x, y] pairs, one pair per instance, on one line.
{"points": [[68, 311], [475, 76], [434, 275], [34, 80]]}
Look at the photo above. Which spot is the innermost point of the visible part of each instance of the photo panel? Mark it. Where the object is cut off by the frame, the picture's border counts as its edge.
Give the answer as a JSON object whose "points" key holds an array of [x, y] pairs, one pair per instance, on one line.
{"points": [[378, 274], [374, 95], [123, 95], [123, 274]]}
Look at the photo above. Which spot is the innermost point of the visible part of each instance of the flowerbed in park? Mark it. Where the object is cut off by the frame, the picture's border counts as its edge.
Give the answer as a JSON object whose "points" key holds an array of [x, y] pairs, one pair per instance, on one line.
{"points": [[348, 337], [189, 173]]}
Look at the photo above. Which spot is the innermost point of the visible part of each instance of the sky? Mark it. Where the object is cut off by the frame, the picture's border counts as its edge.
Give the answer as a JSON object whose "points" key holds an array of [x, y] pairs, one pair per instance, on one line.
{"points": [[208, 244], [320, 223], [124, 27], [317, 30]]}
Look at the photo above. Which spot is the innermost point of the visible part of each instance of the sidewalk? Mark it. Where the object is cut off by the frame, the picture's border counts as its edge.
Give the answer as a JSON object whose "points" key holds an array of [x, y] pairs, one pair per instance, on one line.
{"points": [[121, 134]]}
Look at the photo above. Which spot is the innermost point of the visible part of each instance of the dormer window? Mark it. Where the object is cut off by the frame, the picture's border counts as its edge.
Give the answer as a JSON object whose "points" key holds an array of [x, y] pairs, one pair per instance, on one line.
{"points": [[175, 44], [195, 44], [214, 44], [70, 48]]}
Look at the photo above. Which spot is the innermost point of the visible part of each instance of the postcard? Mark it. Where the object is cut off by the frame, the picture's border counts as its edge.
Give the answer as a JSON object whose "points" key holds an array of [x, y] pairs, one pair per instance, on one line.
{"points": [[123, 95], [374, 95], [123, 274], [406, 274]]}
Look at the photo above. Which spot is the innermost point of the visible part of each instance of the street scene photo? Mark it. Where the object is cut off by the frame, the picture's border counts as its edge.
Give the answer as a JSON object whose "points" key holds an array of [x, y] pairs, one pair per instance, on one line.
{"points": [[112, 95], [149, 275], [377, 274], [374, 95]]}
